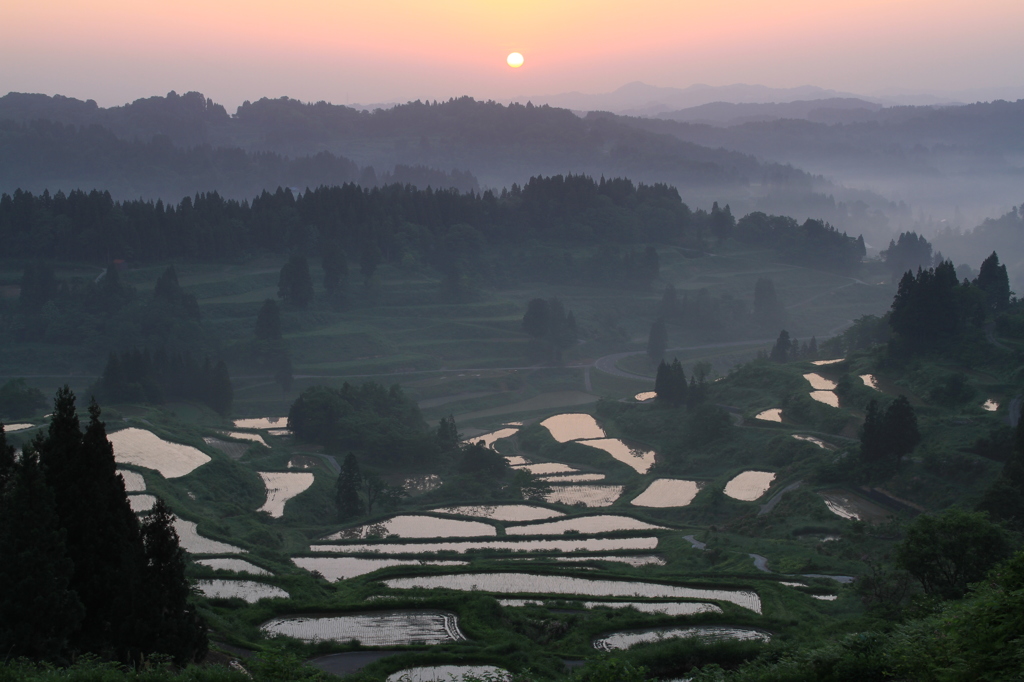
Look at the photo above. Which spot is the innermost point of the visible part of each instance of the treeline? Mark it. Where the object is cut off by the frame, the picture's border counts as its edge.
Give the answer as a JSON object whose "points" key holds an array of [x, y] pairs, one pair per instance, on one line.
{"points": [[79, 573], [141, 376], [400, 223], [814, 243]]}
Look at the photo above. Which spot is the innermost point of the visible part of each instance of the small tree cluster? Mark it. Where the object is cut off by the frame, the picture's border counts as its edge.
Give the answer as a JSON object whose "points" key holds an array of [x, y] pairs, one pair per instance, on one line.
{"points": [[142, 376], [79, 573], [888, 436], [787, 349], [671, 387], [356, 492]]}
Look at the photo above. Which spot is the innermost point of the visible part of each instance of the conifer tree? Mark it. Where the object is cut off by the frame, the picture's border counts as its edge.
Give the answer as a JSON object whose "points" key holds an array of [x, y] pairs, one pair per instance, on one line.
{"points": [[447, 434], [346, 492]]}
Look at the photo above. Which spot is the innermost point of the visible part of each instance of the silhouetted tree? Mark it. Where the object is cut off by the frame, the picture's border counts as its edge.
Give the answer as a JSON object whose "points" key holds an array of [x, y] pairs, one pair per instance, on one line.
{"points": [[783, 348], [993, 280]]}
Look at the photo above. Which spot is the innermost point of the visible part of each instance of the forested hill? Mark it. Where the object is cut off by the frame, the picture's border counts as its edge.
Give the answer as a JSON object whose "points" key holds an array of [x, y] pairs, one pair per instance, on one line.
{"points": [[398, 222], [498, 144]]}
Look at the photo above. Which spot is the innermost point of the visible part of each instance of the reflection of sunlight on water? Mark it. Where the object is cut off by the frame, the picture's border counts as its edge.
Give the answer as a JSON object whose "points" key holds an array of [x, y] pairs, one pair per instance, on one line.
{"points": [[11, 428], [749, 485], [567, 427], [820, 383], [990, 405], [772, 415], [645, 396], [870, 381], [668, 492], [827, 397]]}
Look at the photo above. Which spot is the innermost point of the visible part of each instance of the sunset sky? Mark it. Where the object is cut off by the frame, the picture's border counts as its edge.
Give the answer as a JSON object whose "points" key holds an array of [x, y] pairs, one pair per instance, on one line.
{"points": [[115, 51]]}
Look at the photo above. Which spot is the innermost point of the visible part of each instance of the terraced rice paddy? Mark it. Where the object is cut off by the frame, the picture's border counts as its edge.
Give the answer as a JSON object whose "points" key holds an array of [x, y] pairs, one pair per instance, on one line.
{"points": [[526, 583], [811, 439], [145, 449], [709, 633], [302, 462], [194, 543], [236, 565], [342, 568], [990, 405], [640, 460], [141, 503], [665, 608], [826, 397], [254, 437], [262, 423], [840, 505], [870, 381], [461, 547], [749, 485], [585, 495], [416, 526], [634, 561], [279, 432], [645, 396], [825, 597], [281, 487], [247, 590], [574, 426], [667, 492], [548, 468], [230, 448], [11, 428], [820, 383], [489, 439], [133, 481], [450, 673], [574, 478], [772, 415], [819, 363], [516, 461], [589, 525], [384, 628], [503, 512]]}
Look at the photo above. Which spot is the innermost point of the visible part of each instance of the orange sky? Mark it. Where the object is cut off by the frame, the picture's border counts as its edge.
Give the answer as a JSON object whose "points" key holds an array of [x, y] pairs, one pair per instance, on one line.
{"points": [[114, 51]]}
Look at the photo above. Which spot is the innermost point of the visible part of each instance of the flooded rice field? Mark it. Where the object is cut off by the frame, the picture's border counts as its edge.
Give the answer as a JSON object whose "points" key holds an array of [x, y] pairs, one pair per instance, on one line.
{"points": [[990, 405], [241, 435], [279, 432], [450, 673], [548, 468], [640, 460], [416, 526], [819, 363], [588, 525], [811, 439], [11, 428], [246, 590], [516, 461], [772, 415], [383, 628], [574, 426], [870, 381], [489, 439], [585, 495], [281, 487], [262, 423], [503, 512], [749, 485], [526, 583], [825, 597], [342, 568], [417, 485], [145, 449], [461, 547], [133, 481], [666, 608], [194, 543], [645, 396], [141, 503], [709, 633], [236, 565], [853, 507], [820, 383], [826, 397], [668, 492], [634, 561], [574, 478]]}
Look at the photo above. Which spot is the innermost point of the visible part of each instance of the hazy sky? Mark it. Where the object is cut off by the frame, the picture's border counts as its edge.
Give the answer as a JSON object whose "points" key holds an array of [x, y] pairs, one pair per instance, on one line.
{"points": [[116, 51]]}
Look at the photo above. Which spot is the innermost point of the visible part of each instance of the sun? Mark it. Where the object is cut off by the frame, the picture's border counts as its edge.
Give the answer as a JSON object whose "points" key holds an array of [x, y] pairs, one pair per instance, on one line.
{"points": [[515, 60]]}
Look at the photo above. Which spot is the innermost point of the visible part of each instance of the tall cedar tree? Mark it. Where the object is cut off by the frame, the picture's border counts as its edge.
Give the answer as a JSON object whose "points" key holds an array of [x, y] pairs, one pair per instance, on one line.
{"points": [[447, 434], [346, 492], [783, 348], [993, 280], [670, 384], [295, 286], [38, 611]]}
